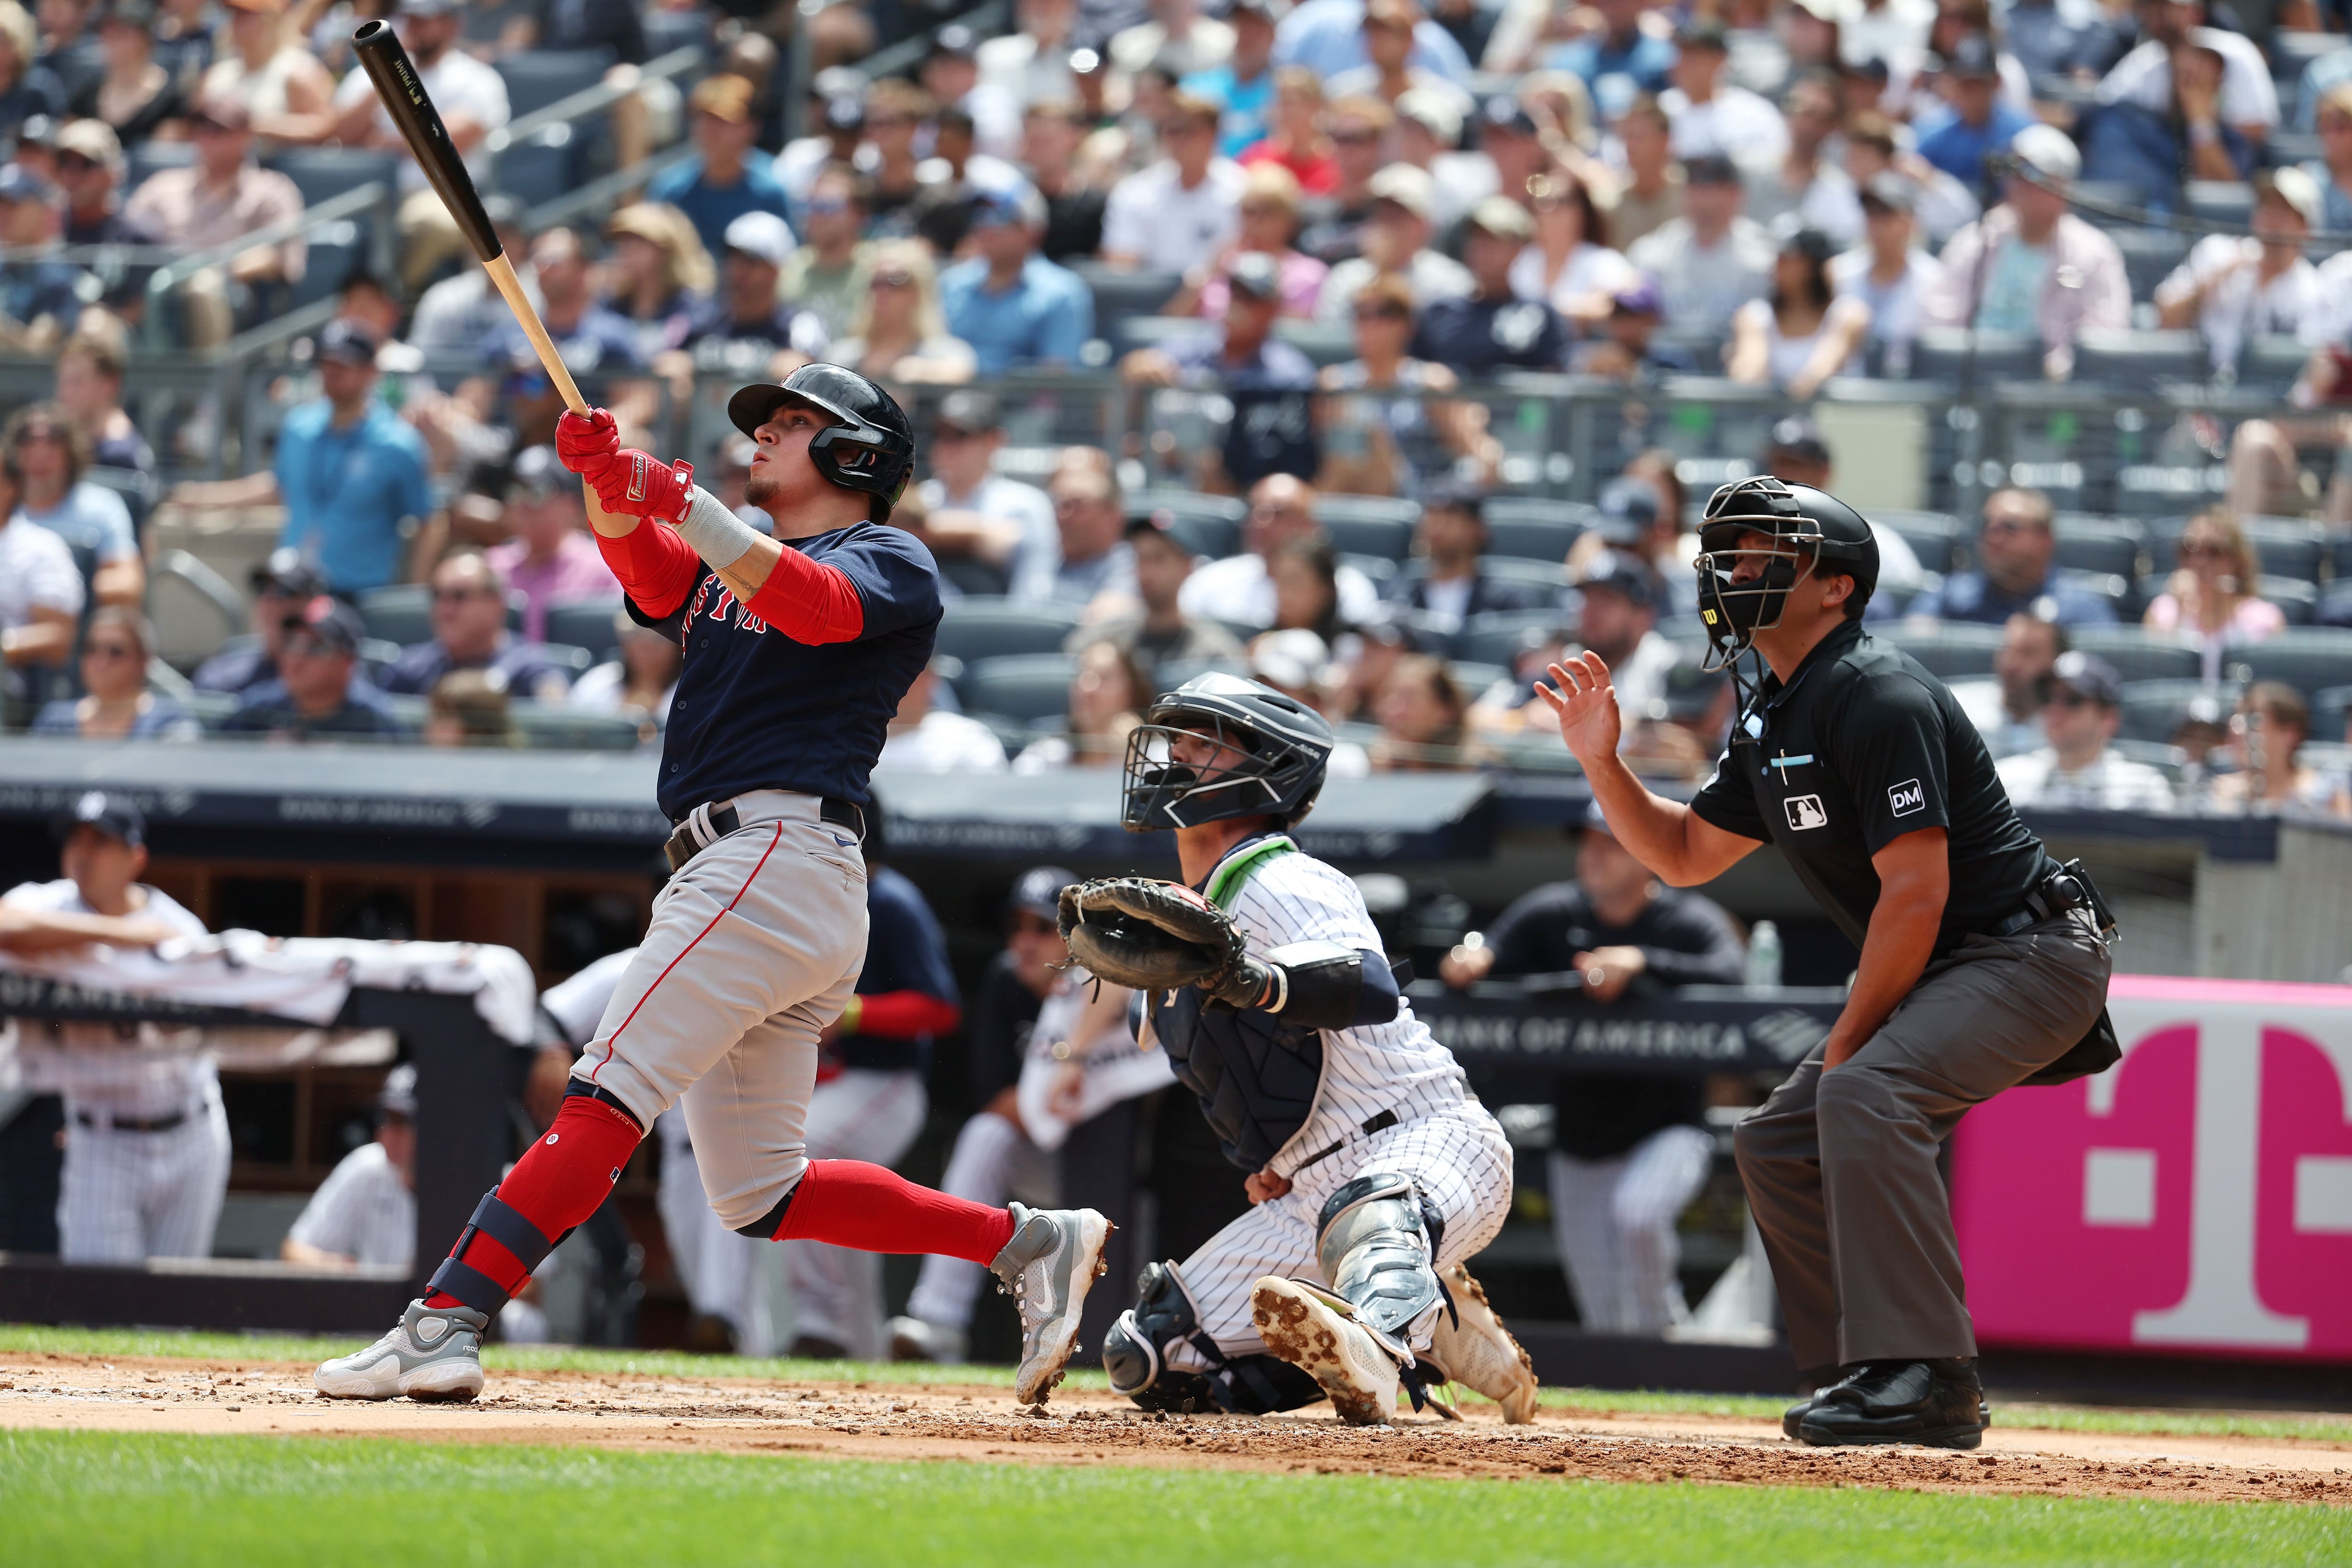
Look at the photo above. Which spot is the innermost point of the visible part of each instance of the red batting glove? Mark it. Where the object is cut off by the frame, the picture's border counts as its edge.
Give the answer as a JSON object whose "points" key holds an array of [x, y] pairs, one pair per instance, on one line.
{"points": [[587, 443], [639, 484]]}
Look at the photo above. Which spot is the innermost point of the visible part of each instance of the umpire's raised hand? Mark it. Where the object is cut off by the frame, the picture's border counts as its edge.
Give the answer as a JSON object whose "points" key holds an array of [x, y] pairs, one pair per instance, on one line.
{"points": [[1587, 706]]}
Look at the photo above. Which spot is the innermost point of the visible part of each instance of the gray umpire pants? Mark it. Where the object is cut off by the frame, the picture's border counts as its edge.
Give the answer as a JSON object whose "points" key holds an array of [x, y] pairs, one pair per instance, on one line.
{"points": [[1840, 1166]]}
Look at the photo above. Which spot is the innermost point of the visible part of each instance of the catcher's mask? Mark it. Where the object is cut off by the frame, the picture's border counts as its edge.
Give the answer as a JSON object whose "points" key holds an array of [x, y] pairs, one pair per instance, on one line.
{"points": [[1270, 751], [871, 449], [1810, 530]]}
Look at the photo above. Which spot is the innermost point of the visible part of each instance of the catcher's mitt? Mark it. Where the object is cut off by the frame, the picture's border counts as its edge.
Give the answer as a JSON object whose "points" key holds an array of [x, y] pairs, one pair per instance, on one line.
{"points": [[1151, 935]]}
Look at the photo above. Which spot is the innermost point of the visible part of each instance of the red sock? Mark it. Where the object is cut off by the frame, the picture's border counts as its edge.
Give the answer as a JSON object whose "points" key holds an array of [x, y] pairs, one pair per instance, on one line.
{"points": [[851, 1204], [558, 1183]]}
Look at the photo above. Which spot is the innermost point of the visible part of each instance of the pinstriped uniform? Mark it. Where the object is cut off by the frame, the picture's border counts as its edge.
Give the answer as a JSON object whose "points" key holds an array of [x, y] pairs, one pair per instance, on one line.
{"points": [[1614, 1222], [1445, 1137]]}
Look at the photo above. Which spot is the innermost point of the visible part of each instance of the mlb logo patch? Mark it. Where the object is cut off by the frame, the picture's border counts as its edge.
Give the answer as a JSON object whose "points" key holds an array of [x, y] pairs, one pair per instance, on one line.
{"points": [[1906, 797], [1805, 811]]}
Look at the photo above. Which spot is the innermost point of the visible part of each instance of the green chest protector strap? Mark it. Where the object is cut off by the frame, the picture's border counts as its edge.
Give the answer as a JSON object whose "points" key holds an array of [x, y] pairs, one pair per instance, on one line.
{"points": [[1225, 883]]}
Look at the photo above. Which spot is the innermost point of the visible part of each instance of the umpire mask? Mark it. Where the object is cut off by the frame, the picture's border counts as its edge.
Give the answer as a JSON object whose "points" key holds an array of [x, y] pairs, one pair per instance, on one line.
{"points": [[1803, 528]]}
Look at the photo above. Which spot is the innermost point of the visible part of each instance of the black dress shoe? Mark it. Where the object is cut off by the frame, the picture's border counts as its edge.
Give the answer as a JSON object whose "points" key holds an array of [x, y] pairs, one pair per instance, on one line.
{"points": [[1938, 1404], [1794, 1417]]}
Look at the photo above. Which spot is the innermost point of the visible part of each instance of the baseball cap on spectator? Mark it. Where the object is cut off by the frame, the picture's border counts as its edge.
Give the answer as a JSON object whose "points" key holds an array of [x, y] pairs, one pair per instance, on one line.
{"points": [[18, 183], [38, 131], [116, 816], [1408, 187], [331, 624], [1640, 297], [398, 1095], [539, 473], [2294, 185], [1255, 273], [1262, 9], [1703, 33], [725, 97], [1456, 495], [139, 14], [1039, 891], [1158, 520], [1433, 112], [1615, 571], [957, 42], [1972, 58], [1870, 68], [221, 112], [1289, 659], [1629, 509], [2087, 675], [845, 115], [1504, 218], [286, 574], [2048, 152], [91, 138], [1799, 437], [1710, 169], [347, 343], [1890, 191], [969, 413], [762, 235], [1507, 114], [1008, 203]]}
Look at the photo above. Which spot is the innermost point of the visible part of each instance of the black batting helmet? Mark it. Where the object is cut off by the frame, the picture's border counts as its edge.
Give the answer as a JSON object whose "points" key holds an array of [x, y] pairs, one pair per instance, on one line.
{"points": [[1810, 530], [1271, 753], [872, 449]]}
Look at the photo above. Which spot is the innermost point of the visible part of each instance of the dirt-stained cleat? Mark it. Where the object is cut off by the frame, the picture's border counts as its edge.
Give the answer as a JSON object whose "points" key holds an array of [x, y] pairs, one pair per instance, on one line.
{"points": [[435, 1353], [1316, 1332], [1053, 1260], [1471, 1347]]}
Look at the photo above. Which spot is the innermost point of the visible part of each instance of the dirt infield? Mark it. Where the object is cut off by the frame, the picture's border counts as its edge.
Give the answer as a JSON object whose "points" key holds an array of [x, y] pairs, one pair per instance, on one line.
{"points": [[51, 1391]]}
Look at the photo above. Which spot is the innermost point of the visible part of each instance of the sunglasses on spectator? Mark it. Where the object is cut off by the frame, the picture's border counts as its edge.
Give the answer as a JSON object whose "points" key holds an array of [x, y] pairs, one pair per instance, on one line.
{"points": [[2064, 698], [2014, 525], [2198, 549], [829, 205], [894, 278], [888, 121], [75, 163], [110, 650], [1355, 138], [459, 595], [1383, 313]]}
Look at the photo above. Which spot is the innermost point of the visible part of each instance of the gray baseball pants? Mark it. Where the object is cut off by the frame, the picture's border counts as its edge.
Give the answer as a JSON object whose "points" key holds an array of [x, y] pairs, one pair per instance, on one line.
{"points": [[1840, 1166]]}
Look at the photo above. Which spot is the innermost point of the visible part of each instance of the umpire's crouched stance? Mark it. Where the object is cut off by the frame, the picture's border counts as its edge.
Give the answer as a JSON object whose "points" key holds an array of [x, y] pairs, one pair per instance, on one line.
{"points": [[1984, 964]]}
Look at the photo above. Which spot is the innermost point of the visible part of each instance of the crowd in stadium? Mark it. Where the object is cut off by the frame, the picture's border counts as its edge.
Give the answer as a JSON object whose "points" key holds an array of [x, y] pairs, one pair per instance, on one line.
{"points": [[1363, 210]]}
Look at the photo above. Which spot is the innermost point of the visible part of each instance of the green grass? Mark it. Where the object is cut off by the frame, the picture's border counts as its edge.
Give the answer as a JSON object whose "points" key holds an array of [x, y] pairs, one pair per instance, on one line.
{"points": [[93, 1498], [20, 1339]]}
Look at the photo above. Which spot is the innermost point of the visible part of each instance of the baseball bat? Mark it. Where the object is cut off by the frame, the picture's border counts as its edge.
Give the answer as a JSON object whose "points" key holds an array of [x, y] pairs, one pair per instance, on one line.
{"points": [[411, 107]]}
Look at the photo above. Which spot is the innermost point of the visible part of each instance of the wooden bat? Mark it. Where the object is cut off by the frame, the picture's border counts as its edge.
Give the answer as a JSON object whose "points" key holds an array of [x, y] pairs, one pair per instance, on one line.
{"points": [[405, 99]]}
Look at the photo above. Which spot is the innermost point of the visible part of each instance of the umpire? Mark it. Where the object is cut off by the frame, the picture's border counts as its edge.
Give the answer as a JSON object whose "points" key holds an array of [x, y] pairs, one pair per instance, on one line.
{"points": [[1983, 963]]}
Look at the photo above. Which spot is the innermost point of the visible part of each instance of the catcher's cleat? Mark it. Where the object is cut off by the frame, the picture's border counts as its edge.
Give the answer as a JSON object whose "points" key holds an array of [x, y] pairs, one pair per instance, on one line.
{"points": [[434, 1354], [1318, 1333], [1471, 1347], [912, 1339], [1052, 1261]]}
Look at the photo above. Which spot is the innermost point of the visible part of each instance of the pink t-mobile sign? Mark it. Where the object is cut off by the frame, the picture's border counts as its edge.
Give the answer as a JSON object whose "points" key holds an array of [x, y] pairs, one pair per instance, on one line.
{"points": [[2194, 1196]]}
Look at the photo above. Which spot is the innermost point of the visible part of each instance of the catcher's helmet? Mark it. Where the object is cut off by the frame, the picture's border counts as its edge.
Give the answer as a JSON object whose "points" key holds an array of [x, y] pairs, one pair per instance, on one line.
{"points": [[1272, 751], [1810, 529], [873, 447]]}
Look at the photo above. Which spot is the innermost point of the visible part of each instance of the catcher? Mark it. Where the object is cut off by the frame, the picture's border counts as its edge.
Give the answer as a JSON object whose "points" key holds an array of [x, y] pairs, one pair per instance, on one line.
{"points": [[1374, 1171]]}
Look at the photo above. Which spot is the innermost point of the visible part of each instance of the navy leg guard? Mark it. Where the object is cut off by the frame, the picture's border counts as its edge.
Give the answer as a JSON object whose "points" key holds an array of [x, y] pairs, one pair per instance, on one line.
{"points": [[492, 1218]]}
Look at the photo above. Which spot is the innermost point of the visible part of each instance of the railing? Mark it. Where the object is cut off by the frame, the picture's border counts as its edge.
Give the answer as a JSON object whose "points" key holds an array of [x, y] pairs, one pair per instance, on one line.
{"points": [[568, 112]]}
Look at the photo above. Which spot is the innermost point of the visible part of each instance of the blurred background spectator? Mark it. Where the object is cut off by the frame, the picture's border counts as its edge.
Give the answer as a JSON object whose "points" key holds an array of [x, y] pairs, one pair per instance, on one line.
{"points": [[364, 1213], [117, 704], [2078, 769]]}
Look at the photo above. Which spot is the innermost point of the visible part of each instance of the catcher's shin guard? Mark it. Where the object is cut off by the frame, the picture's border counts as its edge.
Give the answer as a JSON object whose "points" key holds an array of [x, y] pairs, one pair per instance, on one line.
{"points": [[1135, 1354], [1377, 1242]]}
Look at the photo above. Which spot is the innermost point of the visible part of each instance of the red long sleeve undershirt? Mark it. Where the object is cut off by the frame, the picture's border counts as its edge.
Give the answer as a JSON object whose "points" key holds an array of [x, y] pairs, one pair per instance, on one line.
{"points": [[806, 600], [905, 1014]]}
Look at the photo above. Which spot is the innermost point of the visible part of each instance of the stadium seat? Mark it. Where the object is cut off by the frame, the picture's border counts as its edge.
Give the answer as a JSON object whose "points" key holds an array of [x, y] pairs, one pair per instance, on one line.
{"points": [[2155, 710], [1548, 574], [667, 30], [973, 629], [587, 624], [2297, 600], [334, 253], [322, 174], [2309, 659], [2329, 709], [2138, 654], [1120, 297], [538, 78], [538, 169], [1174, 672], [2089, 542], [1024, 685], [1472, 677], [2132, 357], [1368, 525], [1380, 571], [552, 729], [2149, 257], [1498, 635], [152, 156], [1143, 332], [2161, 490], [2121, 593], [1209, 525], [2272, 360], [2288, 547], [1326, 345], [2227, 203], [1950, 650], [1940, 353], [1938, 538], [401, 614], [971, 576], [1536, 528]]}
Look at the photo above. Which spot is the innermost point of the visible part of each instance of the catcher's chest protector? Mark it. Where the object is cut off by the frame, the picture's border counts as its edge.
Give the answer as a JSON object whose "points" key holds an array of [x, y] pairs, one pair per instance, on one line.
{"points": [[1254, 1075]]}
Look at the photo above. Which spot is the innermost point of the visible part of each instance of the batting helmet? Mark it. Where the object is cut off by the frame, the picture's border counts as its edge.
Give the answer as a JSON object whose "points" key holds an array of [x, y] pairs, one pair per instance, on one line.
{"points": [[872, 449], [1271, 752], [1810, 530]]}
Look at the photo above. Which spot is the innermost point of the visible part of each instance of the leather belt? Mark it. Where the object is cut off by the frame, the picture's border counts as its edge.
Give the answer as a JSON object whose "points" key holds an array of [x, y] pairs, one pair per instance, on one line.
{"points": [[706, 825], [2062, 892], [133, 1124], [1380, 1123]]}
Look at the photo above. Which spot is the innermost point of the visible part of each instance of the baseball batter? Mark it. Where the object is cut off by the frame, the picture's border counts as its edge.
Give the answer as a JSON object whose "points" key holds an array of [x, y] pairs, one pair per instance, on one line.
{"points": [[797, 651], [1375, 1172]]}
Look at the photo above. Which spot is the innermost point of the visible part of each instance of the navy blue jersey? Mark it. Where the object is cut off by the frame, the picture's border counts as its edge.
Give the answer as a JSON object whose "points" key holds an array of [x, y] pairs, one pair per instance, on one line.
{"points": [[905, 951], [755, 709]]}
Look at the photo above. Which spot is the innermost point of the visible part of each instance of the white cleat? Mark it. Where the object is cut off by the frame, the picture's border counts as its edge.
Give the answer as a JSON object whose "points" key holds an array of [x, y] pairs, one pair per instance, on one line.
{"points": [[1479, 1352], [913, 1339], [1311, 1330], [1053, 1260], [435, 1354]]}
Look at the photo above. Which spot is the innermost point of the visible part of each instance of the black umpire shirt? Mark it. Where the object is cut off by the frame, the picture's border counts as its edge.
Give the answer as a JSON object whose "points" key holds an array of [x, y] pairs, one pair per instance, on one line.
{"points": [[1860, 747], [1686, 940]]}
